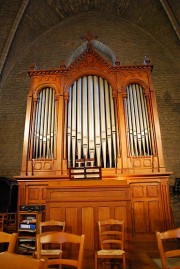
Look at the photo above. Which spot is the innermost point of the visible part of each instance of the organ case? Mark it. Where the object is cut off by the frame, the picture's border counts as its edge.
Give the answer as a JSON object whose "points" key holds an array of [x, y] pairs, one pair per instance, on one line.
{"points": [[97, 110], [92, 109]]}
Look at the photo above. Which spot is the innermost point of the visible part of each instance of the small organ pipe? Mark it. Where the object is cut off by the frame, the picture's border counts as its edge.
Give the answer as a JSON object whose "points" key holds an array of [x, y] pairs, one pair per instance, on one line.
{"points": [[133, 120], [45, 122], [85, 119], [137, 119], [53, 127], [49, 122], [108, 122], [103, 120], [69, 137], [74, 124], [97, 120], [113, 124], [91, 117], [79, 119], [65, 128], [138, 89]]}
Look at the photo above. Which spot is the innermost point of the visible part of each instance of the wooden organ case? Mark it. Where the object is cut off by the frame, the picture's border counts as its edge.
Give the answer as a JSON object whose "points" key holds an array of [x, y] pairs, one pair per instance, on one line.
{"points": [[106, 112]]}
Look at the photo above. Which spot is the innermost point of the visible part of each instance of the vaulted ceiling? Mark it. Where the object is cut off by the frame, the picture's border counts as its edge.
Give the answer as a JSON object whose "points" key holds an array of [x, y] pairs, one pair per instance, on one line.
{"points": [[23, 21]]}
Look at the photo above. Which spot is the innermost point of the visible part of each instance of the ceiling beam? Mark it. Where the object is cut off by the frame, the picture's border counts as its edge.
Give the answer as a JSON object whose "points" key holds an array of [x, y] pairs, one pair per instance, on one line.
{"points": [[171, 16], [12, 33]]}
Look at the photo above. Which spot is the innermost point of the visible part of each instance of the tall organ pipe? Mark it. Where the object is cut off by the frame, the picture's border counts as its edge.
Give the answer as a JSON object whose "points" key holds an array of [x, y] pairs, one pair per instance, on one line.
{"points": [[91, 132], [138, 130], [85, 117], [74, 101], [91, 116], [97, 120], [44, 126]]}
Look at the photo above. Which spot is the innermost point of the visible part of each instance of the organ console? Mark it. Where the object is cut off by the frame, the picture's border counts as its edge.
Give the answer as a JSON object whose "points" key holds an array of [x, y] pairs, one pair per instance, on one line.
{"points": [[96, 109]]}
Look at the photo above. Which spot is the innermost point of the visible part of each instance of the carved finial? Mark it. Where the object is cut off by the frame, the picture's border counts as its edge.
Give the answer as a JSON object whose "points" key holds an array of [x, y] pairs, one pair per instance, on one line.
{"points": [[146, 60], [117, 61], [62, 64], [33, 66], [89, 37]]}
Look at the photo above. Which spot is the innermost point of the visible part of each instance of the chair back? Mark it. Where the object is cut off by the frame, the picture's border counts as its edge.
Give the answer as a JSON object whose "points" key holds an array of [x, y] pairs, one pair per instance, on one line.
{"points": [[63, 238], [52, 225], [170, 250], [111, 234], [12, 261], [11, 239]]}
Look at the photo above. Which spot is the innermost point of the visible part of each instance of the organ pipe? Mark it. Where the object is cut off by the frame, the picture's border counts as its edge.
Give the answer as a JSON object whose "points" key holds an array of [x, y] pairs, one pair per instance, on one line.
{"points": [[137, 121], [79, 112], [74, 123], [44, 125], [91, 122], [97, 120], [91, 116], [85, 118]]}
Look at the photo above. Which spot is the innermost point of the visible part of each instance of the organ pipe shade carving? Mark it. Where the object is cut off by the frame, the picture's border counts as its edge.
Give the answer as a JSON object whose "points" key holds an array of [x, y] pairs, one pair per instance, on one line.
{"points": [[44, 135], [91, 126], [137, 121]]}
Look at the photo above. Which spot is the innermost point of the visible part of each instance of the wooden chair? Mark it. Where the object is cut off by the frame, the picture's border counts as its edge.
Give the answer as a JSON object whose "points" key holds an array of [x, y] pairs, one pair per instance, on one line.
{"points": [[12, 261], [166, 252], [3, 217], [63, 238], [11, 239], [50, 251], [111, 239]]}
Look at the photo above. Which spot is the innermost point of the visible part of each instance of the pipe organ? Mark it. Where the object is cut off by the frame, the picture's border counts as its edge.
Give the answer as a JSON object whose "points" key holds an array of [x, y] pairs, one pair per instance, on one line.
{"points": [[95, 110]]}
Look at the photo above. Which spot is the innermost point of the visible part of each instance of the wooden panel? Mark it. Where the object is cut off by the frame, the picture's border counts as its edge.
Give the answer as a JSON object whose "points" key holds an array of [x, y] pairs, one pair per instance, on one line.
{"points": [[103, 212], [139, 217], [137, 191], [88, 226], [71, 218], [154, 216], [147, 214], [56, 213], [152, 191], [35, 194]]}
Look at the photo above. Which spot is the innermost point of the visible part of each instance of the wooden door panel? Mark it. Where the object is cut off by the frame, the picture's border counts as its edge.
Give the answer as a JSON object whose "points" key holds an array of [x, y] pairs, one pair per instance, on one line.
{"points": [[154, 216], [88, 226], [139, 217]]}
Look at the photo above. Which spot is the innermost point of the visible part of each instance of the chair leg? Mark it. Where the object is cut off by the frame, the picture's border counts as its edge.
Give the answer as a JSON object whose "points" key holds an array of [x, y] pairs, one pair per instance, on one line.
{"points": [[95, 267], [124, 262]]}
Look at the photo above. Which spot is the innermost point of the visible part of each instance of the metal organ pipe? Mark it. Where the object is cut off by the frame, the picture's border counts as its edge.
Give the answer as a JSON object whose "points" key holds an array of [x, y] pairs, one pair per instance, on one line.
{"points": [[113, 123], [44, 125], [79, 113], [85, 117], [97, 120], [69, 128], [138, 131], [91, 117], [91, 130], [103, 121], [74, 123], [108, 122]]}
